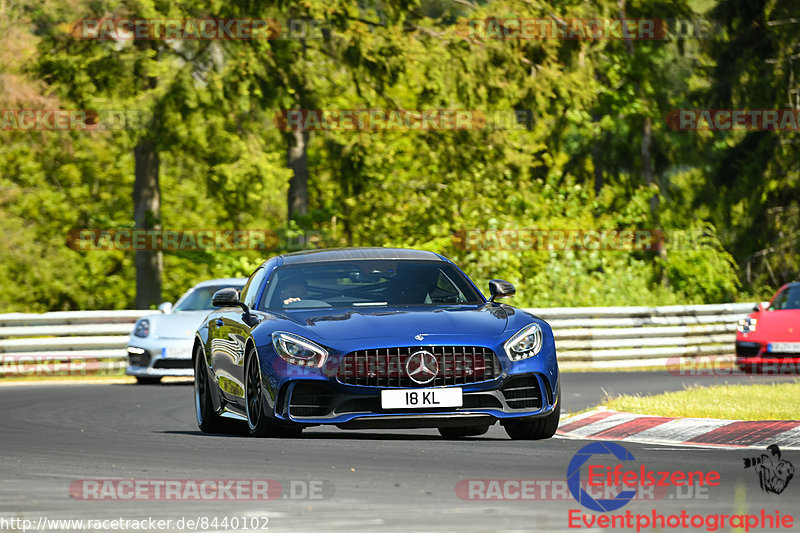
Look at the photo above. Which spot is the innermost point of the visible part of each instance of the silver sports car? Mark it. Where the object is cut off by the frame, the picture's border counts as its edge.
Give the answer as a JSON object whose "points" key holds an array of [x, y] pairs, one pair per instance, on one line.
{"points": [[161, 343]]}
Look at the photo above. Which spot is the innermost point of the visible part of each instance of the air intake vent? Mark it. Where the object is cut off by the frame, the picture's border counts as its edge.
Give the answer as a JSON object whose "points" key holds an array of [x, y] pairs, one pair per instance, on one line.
{"points": [[309, 399], [139, 359], [523, 393]]}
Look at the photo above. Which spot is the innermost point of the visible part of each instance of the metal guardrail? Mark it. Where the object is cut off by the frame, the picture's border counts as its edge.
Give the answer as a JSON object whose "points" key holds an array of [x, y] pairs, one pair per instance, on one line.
{"points": [[643, 336], [600, 336], [65, 342]]}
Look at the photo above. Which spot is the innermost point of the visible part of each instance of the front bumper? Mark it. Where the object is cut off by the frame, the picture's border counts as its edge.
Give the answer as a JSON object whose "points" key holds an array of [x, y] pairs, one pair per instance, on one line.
{"points": [[762, 358], [767, 350], [160, 358], [316, 402]]}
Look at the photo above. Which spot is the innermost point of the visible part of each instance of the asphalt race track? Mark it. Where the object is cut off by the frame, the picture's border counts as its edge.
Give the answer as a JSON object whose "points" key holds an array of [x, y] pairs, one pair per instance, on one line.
{"points": [[56, 436]]}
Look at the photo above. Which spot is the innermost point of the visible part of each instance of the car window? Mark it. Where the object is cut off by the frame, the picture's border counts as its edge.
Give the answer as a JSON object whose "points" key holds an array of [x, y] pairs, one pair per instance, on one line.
{"points": [[250, 291], [446, 291], [788, 298], [368, 283]]}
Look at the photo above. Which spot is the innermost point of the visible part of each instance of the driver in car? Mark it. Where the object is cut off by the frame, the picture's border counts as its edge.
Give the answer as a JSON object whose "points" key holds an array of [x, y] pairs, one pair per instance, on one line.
{"points": [[294, 291]]}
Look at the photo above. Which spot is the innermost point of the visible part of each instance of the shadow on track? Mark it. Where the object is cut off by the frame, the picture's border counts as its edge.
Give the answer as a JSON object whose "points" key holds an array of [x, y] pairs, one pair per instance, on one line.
{"points": [[338, 435]]}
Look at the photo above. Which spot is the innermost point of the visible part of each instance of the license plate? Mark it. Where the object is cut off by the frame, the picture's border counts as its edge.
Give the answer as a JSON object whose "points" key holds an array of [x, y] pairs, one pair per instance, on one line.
{"points": [[421, 398], [176, 352], [784, 347]]}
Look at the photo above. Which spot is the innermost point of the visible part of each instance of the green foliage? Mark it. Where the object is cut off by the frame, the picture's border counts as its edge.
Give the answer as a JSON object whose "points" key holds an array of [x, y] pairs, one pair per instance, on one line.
{"points": [[576, 162]]}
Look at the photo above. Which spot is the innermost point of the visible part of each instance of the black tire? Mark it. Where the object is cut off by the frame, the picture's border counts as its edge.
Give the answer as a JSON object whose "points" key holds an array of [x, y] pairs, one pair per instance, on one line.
{"points": [[463, 431], [148, 380], [207, 418], [537, 428], [258, 422]]}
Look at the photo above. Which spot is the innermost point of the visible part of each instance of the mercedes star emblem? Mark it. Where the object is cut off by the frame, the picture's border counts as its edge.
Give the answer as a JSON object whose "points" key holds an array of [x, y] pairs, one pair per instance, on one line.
{"points": [[422, 367]]}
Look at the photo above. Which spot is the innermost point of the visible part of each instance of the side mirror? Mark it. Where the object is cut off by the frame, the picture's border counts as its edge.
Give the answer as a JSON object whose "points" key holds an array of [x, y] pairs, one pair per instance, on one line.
{"points": [[228, 297], [758, 308], [165, 307], [499, 288]]}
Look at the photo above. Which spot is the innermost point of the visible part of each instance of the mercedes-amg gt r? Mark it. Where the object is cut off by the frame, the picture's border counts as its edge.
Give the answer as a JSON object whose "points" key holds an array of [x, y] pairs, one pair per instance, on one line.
{"points": [[373, 338]]}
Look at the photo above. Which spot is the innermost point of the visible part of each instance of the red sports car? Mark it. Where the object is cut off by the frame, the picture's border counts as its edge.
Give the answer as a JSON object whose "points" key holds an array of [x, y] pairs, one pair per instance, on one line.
{"points": [[768, 340]]}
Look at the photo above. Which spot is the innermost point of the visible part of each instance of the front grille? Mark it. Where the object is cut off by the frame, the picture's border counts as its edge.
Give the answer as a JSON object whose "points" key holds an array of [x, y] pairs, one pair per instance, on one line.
{"points": [[747, 349], [385, 367], [139, 359], [173, 363], [523, 393], [309, 399]]}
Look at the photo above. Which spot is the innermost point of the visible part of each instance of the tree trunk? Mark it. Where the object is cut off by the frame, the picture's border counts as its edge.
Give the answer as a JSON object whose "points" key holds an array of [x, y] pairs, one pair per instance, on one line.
{"points": [[297, 160], [647, 171], [597, 152], [147, 215], [647, 165], [647, 160], [598, 170]]}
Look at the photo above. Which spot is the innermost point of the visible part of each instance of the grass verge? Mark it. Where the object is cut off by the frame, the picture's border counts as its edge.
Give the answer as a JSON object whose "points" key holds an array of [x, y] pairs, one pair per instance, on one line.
{"points": [[728, 402], [684, 367]]}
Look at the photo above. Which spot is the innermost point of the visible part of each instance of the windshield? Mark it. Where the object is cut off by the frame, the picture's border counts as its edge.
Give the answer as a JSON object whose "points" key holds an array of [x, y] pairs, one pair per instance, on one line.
{"points": [[199, 298], [789, 298], [368, 283]]}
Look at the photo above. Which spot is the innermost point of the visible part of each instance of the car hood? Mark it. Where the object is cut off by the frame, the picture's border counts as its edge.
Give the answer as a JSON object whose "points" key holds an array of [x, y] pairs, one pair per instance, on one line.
{"points": [[402, 324], [778, 326], [176, 325]]}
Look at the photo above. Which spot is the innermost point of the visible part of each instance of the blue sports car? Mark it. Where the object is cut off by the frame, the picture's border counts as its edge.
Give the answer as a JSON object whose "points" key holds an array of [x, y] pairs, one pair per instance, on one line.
{"points": [[367, 338]]}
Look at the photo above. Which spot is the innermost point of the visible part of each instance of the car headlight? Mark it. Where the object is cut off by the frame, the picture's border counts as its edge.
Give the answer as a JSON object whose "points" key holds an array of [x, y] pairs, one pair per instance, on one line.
{"points": [[746, 325], [526, 343], [297, 350], [142, 328]]}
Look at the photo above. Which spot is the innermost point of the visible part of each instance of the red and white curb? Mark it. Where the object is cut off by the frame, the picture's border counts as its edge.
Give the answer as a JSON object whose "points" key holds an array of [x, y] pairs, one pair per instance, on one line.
{"points": [[604, 424]]}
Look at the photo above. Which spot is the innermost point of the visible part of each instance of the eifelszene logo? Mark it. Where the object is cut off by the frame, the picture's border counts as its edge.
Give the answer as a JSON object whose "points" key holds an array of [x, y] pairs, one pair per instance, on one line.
{"points": [[574, 477], [627, 480], [774, 473], [609, 465]]}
